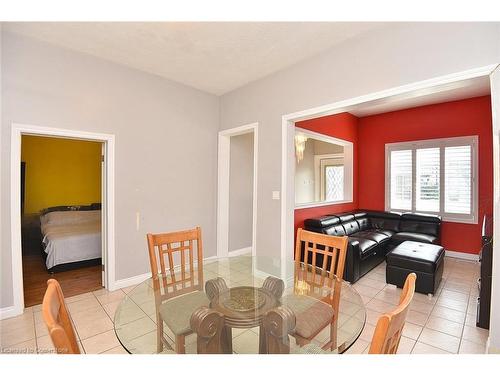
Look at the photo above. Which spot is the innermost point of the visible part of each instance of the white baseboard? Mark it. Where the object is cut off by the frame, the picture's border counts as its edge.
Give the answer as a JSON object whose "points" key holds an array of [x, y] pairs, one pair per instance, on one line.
{"points": [[134, 280], [130, 281], [459, 255], [9, 312], [242, 251]]}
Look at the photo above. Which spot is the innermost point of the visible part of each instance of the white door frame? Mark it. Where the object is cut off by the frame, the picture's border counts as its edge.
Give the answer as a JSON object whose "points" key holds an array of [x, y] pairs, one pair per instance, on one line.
{"points": [[224, 157], [287, 144], [493, 344], [108, 210]]}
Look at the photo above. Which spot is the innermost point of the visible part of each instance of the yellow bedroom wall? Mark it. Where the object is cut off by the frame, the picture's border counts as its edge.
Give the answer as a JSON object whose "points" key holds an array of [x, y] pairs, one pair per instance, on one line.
{"points": [[60, 172]]}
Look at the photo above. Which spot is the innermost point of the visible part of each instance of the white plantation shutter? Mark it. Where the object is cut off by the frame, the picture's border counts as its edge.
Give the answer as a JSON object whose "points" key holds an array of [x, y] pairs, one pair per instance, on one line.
{"points": [[458, 179], [427, 179], [401, 179], [434, 176]]}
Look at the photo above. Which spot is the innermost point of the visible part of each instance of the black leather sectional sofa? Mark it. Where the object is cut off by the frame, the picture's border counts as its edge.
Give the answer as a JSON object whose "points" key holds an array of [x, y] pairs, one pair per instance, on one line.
{"points": [[372, 234]]}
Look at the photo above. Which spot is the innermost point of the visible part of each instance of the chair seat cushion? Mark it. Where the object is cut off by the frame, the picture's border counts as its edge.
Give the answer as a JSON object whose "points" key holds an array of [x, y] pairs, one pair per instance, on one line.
{"points": [[411, 236], [373, 235], [176, 312], [311, 314], [416, 256]]}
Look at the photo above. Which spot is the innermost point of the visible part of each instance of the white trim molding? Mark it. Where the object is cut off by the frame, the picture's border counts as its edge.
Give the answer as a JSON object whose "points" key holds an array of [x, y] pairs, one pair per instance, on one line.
{"points": [[223, 168], [131, 281], [417, 89], [461, 255], [135, 280], [242, 251], [8, 312], [494, 339], [17, 130]]}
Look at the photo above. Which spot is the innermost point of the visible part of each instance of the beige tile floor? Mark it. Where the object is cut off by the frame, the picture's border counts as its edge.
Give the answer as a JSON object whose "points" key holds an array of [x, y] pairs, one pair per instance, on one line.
{"points": [[442, 324]]}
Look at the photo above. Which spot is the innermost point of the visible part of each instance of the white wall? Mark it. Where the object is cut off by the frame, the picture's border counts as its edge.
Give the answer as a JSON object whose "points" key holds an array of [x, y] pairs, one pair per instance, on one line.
{"points": [[241, 191], [380, 60], [166, 142]]}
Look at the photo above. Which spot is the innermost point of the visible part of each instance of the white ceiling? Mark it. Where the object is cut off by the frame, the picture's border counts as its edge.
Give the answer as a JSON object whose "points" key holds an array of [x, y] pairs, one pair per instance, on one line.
{"points": [[465, 89], [215, 57]]}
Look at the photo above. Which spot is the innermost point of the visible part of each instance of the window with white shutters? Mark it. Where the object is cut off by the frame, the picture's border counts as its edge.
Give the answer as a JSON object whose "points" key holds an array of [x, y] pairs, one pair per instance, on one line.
{"points": [[458, 179], [401, 181], [427, 179], [436, 176]]}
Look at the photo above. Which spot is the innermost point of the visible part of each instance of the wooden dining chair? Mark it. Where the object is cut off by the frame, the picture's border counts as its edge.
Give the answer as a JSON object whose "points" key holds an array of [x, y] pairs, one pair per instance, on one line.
{"points": [[312, 248], [390, 325], [56, 317], [178, 288]]}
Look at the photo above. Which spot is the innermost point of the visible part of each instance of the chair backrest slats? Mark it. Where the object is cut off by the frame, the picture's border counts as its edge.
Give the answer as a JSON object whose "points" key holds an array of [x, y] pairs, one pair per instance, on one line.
{"points": [[333, 249], [174, 246]]}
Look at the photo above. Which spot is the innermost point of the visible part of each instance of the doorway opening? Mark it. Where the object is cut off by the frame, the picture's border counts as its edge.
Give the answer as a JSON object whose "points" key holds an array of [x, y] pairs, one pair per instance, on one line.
{"points": [[237, 191], [62, 212], [61, 230]]}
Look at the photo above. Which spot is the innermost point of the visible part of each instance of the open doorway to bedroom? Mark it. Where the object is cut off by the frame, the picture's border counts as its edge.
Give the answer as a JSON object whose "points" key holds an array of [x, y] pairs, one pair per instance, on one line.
{"points": [[61, 231]]}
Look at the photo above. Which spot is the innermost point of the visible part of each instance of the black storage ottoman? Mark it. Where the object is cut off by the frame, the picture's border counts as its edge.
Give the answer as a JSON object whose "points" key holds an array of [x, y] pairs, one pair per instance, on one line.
{"points": [[426, 260]]}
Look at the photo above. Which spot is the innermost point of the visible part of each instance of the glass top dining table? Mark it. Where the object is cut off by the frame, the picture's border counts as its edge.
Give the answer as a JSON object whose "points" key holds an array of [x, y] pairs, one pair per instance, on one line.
{"points": [[328, 314]]}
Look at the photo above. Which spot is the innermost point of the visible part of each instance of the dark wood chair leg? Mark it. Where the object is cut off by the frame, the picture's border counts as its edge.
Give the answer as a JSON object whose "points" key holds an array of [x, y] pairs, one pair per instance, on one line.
{"points": [[180, 344], [159, 334], [263, 348]]}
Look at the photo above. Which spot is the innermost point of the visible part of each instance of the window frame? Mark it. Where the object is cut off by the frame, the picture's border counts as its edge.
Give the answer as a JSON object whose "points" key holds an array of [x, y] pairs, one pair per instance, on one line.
{"points": [[320, 164], [441, 143]]}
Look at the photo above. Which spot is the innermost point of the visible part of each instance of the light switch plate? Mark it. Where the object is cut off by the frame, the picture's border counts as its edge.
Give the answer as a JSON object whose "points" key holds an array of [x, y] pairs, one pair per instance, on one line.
{"points": [[276, 195]]}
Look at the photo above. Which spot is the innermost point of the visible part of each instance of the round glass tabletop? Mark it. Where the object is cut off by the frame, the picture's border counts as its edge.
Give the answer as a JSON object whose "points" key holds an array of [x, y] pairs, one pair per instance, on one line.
{"points": [[315, 312]]}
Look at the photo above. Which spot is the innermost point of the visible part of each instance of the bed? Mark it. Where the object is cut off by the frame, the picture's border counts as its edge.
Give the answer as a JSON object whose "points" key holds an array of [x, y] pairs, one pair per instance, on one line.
{"points": [[71, 237]]}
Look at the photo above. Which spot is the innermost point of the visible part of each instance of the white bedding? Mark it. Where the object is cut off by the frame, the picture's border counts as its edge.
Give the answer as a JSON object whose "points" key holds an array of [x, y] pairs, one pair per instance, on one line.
{"points": [[71, 236]]}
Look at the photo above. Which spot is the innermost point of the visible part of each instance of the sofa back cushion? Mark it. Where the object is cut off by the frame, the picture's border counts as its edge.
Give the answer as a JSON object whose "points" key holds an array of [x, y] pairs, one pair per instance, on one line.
{"points": [[426, 224], [363, 220], [384, 220], [335, 230], [349, 223], [328, 224]]}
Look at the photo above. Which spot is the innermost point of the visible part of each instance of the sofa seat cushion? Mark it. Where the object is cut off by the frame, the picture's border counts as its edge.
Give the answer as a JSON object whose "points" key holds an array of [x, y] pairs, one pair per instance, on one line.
{"points": [[416, 256], [389, 233], [373, 235], [366, 247], [311, 314], [411, 236]]}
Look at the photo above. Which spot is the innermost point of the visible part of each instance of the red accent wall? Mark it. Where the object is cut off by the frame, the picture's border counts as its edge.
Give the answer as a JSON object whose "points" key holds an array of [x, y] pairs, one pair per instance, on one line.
{"points": [[452, 119], [369, 136], [343, 126]]}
